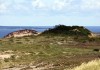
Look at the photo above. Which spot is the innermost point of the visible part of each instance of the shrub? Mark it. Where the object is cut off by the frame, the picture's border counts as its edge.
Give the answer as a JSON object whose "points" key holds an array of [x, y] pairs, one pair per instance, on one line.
{"points": [[6, 59], [13, 57], [97, 50]]}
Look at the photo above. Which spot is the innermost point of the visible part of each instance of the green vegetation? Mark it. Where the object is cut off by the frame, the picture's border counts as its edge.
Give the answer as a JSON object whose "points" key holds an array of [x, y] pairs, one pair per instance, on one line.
{"points": [[54, 53], [49, 52], [68, 30]]}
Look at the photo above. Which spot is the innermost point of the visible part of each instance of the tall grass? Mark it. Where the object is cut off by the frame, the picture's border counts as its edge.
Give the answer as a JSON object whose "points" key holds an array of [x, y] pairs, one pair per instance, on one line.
{"points": [[92, 65]]}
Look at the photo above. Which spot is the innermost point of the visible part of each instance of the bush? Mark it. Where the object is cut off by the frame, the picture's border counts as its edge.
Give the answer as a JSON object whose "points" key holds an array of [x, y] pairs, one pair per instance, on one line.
{"points": [[97, 50], [13, 57], [6, 59]]}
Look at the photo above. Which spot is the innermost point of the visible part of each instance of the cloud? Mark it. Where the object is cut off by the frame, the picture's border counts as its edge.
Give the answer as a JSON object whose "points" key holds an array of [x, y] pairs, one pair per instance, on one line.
{"points": [[14, 6], [19, 1], [20, 7], [59, 5], [4, 7], [38, 4], [49, 7], [90, 4], [76, 5], [62, 4]]}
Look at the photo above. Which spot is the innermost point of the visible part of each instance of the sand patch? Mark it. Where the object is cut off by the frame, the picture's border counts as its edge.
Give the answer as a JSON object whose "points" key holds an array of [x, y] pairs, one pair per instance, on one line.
{"points": [[3, 56]]}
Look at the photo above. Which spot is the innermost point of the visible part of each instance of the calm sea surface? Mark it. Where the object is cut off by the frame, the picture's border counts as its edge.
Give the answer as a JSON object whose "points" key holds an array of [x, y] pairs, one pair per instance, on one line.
{"points": [[4, 30]]}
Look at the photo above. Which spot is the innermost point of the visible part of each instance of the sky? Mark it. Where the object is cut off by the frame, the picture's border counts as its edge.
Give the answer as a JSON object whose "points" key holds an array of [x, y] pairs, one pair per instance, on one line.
{"points": [[49, 12]]}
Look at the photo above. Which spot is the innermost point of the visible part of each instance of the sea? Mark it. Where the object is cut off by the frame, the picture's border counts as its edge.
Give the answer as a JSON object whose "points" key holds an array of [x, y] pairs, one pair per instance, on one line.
{"points": [[4, 30]]}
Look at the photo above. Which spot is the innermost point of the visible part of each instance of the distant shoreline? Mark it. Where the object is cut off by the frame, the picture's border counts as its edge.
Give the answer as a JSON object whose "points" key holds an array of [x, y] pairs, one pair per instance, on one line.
{"points": [[4, 30]]}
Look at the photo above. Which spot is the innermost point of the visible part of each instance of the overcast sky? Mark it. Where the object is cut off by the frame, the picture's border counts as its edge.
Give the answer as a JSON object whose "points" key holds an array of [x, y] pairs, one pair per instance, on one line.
{"points": [[49, 12]]}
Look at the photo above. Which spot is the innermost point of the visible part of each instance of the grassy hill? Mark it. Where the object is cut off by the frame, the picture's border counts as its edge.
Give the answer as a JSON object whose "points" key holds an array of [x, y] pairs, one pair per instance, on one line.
{"points": [[47, 52], [68, 30], [50, 53]]}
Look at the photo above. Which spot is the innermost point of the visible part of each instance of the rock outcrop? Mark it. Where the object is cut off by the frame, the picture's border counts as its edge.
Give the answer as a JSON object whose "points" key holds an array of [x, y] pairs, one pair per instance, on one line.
{"points": [[21, 33]]}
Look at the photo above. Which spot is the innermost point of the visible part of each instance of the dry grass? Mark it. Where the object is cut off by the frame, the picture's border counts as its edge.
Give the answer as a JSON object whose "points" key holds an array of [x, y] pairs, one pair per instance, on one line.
{"points": [[92, 65], [59, 52]]}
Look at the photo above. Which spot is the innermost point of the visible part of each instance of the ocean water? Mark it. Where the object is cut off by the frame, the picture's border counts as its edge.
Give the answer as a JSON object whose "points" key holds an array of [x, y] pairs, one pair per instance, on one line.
{"points": [[4, 30]]}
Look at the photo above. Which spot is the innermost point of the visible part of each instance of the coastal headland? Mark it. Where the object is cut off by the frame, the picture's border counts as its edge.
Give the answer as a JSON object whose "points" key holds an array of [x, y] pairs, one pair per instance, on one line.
{"points": [[59, 48]]}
